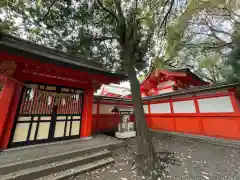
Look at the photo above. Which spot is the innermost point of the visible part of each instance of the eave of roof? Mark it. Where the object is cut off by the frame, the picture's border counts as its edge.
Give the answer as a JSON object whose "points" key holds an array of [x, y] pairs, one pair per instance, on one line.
{"points": [[176, 93], [179, 70], [193, 90], [48, 55]]}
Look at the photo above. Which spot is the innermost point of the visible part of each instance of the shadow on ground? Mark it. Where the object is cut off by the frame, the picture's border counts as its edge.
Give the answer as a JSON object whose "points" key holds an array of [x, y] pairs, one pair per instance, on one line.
{"points": [[200, 161]]}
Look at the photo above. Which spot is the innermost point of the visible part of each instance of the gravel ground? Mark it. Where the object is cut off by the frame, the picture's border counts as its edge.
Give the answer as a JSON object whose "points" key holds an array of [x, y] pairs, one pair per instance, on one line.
{"points": [[200, 161]]}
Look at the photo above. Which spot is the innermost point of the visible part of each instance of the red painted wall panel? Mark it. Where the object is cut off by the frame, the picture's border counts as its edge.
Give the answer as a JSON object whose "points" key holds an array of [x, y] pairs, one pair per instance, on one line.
{"points": [[226, 127], [215, 124], [188, 124], [107, 122], [161, 123], [94, 124]]}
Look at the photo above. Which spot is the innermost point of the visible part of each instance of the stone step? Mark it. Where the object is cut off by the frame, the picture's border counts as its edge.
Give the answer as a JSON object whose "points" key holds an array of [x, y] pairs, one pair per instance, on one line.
{"points": [[51, 168], [78, 170], [8, 168]]}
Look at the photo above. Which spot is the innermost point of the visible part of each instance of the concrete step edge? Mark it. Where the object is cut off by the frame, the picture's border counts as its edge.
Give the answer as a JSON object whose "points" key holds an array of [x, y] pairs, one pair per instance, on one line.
{"points": [[79, 170], [8, 168], [36, 172]]}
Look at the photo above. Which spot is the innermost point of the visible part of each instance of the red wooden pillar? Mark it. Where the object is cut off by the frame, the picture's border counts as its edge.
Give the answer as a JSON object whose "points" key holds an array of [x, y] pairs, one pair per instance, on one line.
{"points": [[172, 115], [9, 102], [234, 103], [200, 119], [86, 126]]}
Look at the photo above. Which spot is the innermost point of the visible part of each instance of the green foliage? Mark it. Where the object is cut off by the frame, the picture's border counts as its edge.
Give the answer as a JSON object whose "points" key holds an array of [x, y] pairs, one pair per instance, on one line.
{"points": [[96, 30], [201, 37], [177, 30], [233, 63]]}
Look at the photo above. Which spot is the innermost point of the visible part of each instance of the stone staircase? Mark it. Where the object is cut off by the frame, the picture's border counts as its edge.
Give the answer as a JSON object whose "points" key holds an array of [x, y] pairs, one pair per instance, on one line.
{"points": [[58, 166]]}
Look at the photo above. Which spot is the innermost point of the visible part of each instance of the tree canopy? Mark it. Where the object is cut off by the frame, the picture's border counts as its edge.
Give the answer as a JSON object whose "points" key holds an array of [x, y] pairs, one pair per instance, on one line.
{"points": [[126, 35], [202, 38]]}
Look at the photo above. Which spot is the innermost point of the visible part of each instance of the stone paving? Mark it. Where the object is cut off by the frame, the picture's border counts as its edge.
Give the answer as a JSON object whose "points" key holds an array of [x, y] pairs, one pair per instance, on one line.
{"points": [[32, 152], [200, 161]]}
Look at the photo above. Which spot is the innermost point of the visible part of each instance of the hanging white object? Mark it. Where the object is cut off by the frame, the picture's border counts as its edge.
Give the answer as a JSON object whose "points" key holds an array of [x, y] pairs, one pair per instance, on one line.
{"points": [[31, 94], [77, 97], [63, 101], [49, 101]]}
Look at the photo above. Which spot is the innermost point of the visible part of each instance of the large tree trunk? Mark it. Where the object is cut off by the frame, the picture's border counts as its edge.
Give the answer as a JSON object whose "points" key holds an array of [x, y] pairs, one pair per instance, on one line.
{"points": [[146, 153]]}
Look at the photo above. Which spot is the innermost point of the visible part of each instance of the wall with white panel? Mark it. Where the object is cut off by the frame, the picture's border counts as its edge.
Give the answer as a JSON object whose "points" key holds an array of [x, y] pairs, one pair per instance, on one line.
{"points": [[160, 108], [145, 107], [165, 90], [164, 84], [184, 107], [106, 108], [216, 104]]}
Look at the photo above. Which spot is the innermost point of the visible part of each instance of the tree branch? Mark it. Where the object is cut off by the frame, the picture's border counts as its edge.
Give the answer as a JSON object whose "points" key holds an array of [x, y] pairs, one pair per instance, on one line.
{"points": [[48, 11], [107, 10], [119, 10], [121, 27], [207, 46], [166, 17], [103, 38]]}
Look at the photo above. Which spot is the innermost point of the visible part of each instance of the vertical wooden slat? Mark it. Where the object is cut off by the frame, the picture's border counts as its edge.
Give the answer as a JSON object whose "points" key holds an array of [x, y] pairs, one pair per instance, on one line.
{"points": [[71, 106], [64, 107], [37, 103], [31, 108], [59, 110], [43, 104], [50, 110], [49, 106], [23, 102], [29, 102], [68, 105], [34, 104], [76, 106]]}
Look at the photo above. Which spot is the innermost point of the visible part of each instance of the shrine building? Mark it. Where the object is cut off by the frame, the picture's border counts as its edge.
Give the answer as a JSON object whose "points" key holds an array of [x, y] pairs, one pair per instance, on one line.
{"points": [[45, 95], [157, 82]]}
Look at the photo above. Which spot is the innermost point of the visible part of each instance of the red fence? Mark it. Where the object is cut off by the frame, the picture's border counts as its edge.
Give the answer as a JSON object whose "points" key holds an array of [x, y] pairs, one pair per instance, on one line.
{"points": [[207, 113], [225, 123], [103, 117]]}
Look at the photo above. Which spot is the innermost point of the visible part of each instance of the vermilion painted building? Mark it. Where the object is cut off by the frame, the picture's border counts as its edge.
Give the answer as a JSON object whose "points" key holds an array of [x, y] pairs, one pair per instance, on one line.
{"points": [[45, 95], [169, 80], [158, 82], [113, 90], [210, 110]]}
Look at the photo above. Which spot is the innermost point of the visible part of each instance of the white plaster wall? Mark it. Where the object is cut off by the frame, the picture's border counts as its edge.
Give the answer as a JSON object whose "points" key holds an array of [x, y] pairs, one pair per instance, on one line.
{"points": [[217, 104], [184, 107], [94, 109], [145, 107], [160, 108], [167, 83], [106, 108], [165, 91]]}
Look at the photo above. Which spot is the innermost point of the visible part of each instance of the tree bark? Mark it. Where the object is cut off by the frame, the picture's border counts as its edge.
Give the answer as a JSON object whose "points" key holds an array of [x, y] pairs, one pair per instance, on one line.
{"points": [[146, 153]]}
